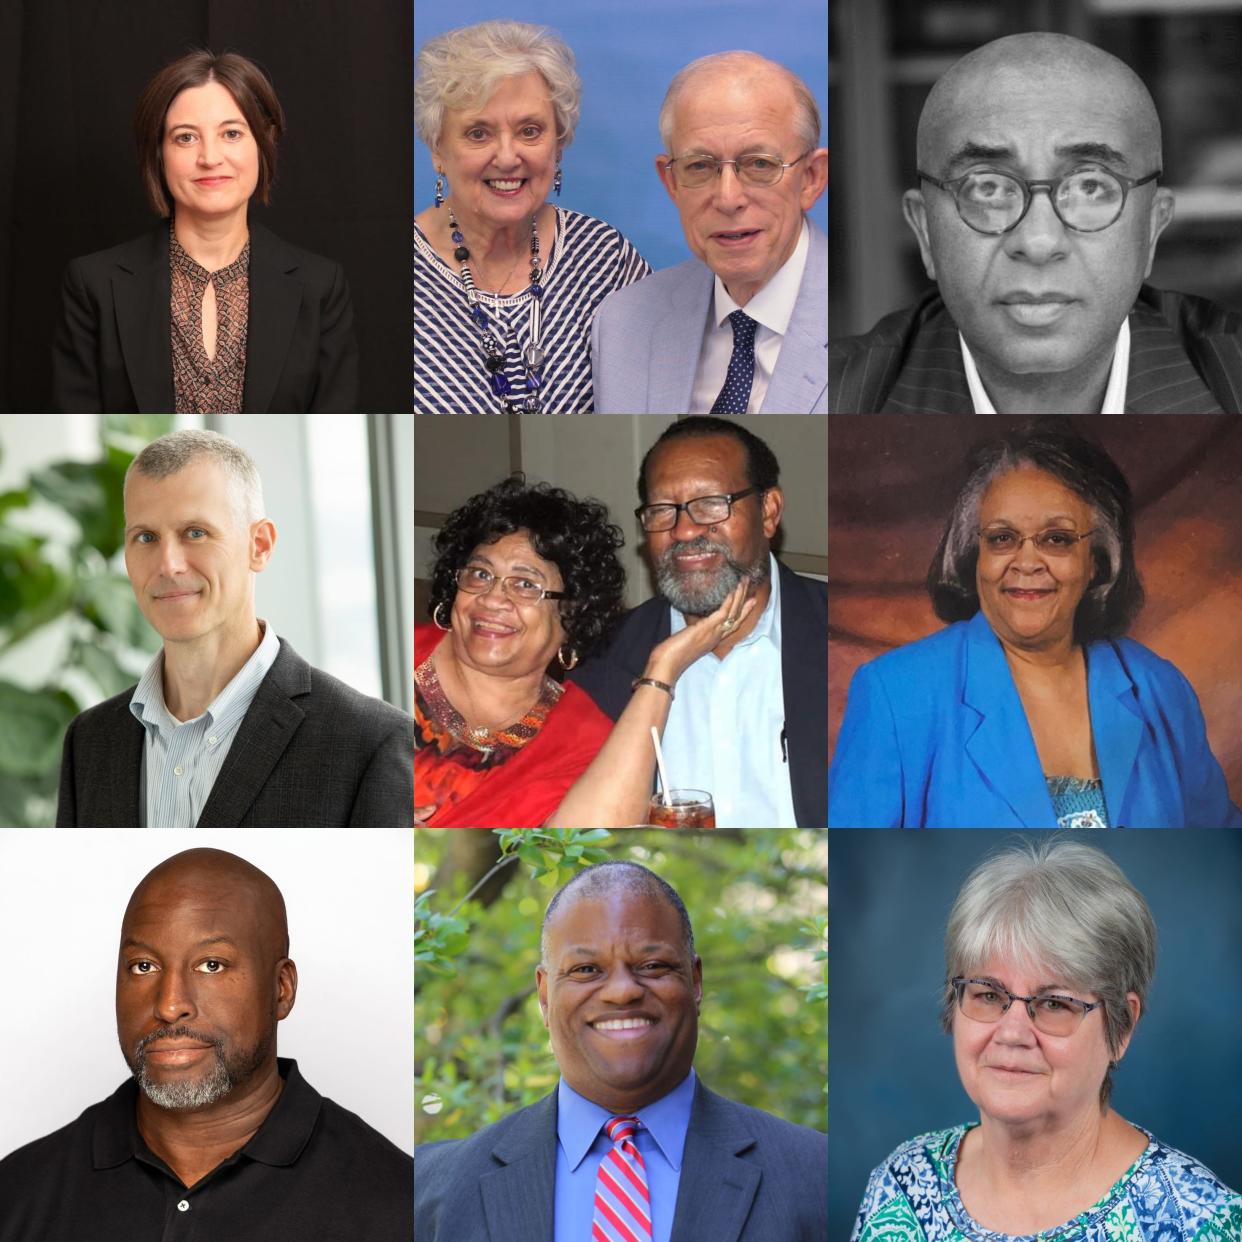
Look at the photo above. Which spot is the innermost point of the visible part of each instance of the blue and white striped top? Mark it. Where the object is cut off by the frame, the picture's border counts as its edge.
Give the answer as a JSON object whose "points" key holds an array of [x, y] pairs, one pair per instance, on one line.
{"points": [[587, 261], [181, 759]]}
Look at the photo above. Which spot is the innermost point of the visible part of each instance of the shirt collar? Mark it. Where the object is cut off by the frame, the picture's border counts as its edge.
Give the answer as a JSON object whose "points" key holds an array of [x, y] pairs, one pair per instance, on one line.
{"points": [[773, 305], [579, 1121], [149, 708], [769, 624], [280, 1140], [1114, 393]]}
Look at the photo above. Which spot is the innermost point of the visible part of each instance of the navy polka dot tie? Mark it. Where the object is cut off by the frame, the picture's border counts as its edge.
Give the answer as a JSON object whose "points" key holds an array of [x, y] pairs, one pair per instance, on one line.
{"points": [[735, 395]]}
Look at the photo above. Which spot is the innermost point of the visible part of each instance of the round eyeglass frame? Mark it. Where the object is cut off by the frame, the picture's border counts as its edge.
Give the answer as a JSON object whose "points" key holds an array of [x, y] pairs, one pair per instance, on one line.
{"points": [[505, 588], [959, 982], [737, 169], [954, 184]]}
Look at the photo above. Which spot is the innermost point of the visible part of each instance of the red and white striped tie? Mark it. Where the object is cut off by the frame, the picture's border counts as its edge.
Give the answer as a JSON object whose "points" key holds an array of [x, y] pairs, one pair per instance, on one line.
{"points": [[622, 1203]]}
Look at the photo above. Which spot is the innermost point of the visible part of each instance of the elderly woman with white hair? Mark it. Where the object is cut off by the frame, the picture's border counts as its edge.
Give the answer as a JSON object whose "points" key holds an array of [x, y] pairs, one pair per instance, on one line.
{"points": [[1049, 957], [505, 283], [1031, 709]]}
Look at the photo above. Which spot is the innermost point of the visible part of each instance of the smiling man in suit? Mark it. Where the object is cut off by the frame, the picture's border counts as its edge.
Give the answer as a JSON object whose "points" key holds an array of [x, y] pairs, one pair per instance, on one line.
{"points": [[631, 1147], [743, 327], [229, 727], [1037, 214]]}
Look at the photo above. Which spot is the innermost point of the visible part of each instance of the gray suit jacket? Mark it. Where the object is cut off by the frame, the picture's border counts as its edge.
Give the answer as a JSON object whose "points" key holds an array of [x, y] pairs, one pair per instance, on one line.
{"points": [[746, 1176], [646, 340], [310, 753]]}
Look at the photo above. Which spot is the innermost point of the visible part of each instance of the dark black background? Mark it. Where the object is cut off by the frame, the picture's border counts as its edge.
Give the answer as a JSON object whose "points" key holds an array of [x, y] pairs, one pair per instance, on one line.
{"points": [[71, 72]]}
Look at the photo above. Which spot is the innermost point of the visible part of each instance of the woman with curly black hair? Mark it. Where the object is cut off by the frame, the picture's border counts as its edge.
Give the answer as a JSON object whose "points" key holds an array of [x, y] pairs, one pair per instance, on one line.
{"points": [[527, 578]]}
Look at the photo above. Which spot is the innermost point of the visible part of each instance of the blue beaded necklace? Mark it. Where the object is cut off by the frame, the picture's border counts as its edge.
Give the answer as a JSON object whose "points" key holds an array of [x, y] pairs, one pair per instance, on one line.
{"points": [[526, 400]]}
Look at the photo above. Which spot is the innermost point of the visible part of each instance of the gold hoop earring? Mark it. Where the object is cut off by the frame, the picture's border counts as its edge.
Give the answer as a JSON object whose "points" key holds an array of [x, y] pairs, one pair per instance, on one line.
{"points": [[435, 616], [572, 662]]}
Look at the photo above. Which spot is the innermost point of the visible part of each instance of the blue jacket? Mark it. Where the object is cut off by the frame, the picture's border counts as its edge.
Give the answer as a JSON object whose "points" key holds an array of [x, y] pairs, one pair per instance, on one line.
{"points": [[935, 736]]}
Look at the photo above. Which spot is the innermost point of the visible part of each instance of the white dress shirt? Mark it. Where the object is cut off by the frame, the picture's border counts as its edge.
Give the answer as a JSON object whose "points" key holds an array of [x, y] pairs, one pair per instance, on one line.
{"points": [[771, 308], [181, 759], [725, 730], [1114, 394]]}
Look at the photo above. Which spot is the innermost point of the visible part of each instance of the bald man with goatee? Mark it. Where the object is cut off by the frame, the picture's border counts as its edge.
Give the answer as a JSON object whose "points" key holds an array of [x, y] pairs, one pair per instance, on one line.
{"points": [[1037, 208]]}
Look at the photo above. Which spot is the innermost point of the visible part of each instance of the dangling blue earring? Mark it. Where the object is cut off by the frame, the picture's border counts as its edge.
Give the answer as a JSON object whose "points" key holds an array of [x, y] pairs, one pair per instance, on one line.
{"points": [[556, 183], [439, 188]]}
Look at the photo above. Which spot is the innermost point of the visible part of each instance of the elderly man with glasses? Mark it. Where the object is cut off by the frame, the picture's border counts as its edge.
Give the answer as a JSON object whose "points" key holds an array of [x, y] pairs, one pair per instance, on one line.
{"points": [[743, 327], [1037, 214], [748, 721]]}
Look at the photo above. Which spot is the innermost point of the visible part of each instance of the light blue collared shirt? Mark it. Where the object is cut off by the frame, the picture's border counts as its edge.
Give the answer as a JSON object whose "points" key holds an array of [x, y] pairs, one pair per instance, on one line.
{"points": [[724, 731], [582, 1142], [181, 759]]}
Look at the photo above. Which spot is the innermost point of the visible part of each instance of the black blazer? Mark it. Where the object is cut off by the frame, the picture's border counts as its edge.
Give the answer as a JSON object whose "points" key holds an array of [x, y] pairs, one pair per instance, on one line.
{"points": [[113, 347], [1185, 358], [804, 679], [746, 1176], [310, 753]]}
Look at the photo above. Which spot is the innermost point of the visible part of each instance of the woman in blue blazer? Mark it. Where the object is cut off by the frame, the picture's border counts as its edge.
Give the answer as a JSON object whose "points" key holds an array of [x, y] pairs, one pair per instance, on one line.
{"points": [[1031, 709]]}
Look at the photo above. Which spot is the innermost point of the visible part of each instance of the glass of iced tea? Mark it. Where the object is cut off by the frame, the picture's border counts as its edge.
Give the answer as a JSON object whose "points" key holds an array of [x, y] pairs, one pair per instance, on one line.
{"points": [[691, 808]]}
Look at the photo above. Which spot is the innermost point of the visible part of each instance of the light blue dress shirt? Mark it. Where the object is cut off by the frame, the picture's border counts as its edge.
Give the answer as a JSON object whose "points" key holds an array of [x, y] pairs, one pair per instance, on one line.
{"points": [[181, 759], [725, 728], [582, 1143]]}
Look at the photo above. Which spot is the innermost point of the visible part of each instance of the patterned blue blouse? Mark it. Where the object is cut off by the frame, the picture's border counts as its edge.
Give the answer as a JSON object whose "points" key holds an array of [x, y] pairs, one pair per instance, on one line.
{"points": [[1164, 1196], [1078, 803]]}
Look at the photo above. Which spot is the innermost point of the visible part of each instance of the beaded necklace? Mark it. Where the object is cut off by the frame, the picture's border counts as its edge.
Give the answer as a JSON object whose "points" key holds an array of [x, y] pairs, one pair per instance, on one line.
{"points": [[524, 401]]}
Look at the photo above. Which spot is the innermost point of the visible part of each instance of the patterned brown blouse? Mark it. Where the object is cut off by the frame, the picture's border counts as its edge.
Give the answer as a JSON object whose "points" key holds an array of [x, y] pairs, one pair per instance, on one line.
{"points": [[203, 385]]}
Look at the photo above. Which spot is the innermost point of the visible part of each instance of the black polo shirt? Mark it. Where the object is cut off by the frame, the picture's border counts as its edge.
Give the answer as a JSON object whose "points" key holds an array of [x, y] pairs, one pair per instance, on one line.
{"points": [[312, 1172]]}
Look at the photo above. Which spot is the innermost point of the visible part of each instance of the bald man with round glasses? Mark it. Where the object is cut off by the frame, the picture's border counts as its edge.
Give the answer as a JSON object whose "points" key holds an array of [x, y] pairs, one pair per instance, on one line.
{"points": [[1037, 209]]}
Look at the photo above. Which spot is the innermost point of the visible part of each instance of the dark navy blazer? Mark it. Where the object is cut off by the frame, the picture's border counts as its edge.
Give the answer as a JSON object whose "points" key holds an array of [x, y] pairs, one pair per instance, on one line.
{"points": [[935, 736]]}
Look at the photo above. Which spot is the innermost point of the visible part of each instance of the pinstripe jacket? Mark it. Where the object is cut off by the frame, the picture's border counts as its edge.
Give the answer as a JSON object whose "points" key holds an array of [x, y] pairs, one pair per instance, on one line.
{"points": [[1185, 358], [310, 753]]}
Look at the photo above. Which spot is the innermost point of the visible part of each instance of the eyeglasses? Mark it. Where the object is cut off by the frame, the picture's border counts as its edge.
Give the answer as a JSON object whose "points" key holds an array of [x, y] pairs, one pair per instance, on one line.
{"points": [[984, 1000], [1055, 541], [1085, 200], [692, 171], [475, 580], [703, 510]]}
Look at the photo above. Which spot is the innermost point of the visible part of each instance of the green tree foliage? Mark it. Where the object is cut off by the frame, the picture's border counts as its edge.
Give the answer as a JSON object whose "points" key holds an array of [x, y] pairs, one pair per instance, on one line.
{"points": [[758, 902]]}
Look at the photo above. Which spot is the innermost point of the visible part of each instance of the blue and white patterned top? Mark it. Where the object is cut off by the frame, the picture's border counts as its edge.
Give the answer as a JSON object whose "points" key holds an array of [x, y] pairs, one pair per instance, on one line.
{"points": [[1078, 803], [587, 261], [1164, 1196]]}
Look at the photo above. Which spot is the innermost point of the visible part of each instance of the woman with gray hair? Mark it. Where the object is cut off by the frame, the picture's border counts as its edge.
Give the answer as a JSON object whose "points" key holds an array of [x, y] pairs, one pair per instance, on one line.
{"points": [[1031, 709], [1049, 957], [505, 284]]}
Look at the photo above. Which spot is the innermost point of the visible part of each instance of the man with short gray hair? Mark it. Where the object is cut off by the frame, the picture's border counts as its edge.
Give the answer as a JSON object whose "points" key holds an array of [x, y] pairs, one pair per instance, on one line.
{"points": [[228, 726], [743, 327]]}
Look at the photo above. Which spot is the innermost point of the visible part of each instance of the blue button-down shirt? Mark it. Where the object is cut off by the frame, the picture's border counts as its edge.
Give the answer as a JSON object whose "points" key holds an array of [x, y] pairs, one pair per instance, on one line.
{"points": [[181, 759], [582, 1142]]}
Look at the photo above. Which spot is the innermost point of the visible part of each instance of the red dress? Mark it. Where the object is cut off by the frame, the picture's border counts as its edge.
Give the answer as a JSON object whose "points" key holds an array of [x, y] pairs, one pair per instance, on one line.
{"points": [[519, 779]]}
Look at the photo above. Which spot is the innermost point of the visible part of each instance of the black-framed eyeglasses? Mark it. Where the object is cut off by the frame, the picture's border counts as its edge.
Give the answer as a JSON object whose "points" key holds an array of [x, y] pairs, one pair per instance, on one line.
{"points": [[1053, 541], [697, 169], [703, 510], [985, 1000], [1086, 200], [475, 580]]}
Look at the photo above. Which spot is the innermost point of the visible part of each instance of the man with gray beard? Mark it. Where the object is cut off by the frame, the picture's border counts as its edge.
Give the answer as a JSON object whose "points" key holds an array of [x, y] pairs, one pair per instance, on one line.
{"points": [[749, 721], [214, 1138]]}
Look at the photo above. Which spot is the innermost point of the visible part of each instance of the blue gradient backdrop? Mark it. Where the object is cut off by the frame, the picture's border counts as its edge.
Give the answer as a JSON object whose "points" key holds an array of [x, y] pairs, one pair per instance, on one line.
{"points": [[891, 1073], [627, 52]]}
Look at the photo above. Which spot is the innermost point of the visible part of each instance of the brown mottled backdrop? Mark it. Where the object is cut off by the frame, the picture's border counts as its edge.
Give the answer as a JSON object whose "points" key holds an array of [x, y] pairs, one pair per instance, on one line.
{"points": [[892, 478]]}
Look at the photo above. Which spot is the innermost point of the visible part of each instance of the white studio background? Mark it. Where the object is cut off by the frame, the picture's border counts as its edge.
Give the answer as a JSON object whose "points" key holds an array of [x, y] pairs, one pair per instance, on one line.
{"points": [[348, 893]]}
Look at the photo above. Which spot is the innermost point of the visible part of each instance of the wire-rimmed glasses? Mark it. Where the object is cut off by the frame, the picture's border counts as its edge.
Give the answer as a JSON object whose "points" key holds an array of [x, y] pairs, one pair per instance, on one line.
{"points": [[1086, 200], [985, 1000], [703, 510], [1052, 541], [475, 580], [697, 169]]}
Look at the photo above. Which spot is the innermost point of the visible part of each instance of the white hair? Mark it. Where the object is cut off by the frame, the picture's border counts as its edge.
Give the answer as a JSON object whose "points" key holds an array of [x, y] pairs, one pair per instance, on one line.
{"points": [[462, 68], [806, 110], [172, 453]]}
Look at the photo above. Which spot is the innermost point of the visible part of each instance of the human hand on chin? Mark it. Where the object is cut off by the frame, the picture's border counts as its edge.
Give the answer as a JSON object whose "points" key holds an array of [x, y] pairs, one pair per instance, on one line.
{"points": [[671, 658]]}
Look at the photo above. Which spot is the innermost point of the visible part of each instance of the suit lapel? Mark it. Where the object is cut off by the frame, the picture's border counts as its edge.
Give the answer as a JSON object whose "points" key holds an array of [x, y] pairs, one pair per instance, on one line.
{"points": [[125, 794], [262, 739], [801, 376], [1116, 725], [1001, 747], [716, 1189], [141, 296], [1162, 378], [932, 379], [676, 342], [518, 1198], [275, 297]]}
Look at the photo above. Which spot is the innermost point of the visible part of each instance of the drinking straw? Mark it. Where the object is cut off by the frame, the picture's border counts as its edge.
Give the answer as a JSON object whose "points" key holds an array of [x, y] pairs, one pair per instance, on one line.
{"points": [[664, 785]]}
